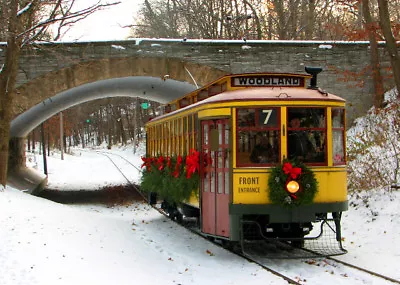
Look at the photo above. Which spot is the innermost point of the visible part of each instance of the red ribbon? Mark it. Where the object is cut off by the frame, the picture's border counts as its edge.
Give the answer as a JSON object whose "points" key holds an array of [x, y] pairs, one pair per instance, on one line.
{"points": [[293, 172], [160, 163], [147, 162], [177, 167], [192, 163], [169, 162]]}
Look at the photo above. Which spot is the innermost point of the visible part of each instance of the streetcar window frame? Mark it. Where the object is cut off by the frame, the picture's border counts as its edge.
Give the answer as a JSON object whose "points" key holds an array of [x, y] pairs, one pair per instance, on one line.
{"points": [[338, 119], [314, 130], [255, 125]]}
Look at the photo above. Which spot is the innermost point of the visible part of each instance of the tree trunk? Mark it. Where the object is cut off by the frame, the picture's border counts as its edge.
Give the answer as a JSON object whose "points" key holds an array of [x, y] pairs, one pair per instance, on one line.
{"points": [[391, 46], [257, 20], [376, 72], [8, 78], [310, 12], [281, 16]]}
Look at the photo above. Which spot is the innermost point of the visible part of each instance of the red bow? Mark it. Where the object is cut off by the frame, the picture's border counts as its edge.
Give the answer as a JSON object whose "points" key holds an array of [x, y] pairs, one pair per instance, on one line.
{"points": [[177, 167], [147, 162], [169, 162], [294, 172], [192, 163], [160, 163]]}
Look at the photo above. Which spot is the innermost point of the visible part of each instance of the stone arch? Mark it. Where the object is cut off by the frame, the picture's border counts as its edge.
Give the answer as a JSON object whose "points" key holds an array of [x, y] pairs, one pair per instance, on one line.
{"points": [[38, 89], [142, 77], [53, 92]]}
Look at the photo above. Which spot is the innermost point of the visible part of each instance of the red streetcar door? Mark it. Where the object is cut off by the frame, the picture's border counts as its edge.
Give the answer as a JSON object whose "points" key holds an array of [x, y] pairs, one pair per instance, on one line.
{"points": [[215, 182]]}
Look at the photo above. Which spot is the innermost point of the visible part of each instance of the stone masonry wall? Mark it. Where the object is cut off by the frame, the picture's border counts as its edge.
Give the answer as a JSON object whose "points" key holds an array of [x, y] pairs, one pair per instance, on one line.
{"points": [[60, 66]]}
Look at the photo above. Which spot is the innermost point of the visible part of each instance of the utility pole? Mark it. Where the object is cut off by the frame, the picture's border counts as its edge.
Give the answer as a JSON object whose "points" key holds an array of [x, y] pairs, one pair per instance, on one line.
{"points": [[61, 136], [135, 125], [44, 150]]}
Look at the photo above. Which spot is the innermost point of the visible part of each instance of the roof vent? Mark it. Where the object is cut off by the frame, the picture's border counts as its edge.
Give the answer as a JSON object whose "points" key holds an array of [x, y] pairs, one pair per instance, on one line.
{"points": [[313, 71]]}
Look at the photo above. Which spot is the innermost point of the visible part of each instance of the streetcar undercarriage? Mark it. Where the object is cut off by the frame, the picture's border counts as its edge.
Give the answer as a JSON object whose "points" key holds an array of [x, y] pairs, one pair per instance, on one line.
{"points": [[322, 237]]}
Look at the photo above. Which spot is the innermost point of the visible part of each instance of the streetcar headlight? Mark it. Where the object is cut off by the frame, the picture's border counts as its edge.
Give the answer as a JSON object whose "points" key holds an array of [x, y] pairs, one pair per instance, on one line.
{"points": [[292, 186]]}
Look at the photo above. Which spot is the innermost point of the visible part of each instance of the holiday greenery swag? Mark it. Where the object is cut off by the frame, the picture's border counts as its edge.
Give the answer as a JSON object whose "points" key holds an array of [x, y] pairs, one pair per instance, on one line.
{"points": [[174, 179], [286, 172]]}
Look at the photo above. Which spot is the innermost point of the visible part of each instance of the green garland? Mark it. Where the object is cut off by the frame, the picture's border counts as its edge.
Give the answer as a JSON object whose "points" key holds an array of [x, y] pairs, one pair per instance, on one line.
{"points": [[291, 170], [174, 179]]}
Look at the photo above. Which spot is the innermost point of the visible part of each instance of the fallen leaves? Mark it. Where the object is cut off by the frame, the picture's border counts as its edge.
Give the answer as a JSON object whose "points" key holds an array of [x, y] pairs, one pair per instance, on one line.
{"points": [[209, 253]]}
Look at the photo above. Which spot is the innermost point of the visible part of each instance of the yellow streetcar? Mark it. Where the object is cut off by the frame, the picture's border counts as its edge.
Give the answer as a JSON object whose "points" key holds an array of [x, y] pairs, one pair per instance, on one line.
{"points": [[271, 150]]}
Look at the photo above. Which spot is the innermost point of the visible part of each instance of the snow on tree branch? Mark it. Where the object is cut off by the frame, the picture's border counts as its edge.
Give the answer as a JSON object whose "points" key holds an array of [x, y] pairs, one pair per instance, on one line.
{"points": [[74, 15], [25, 9]]}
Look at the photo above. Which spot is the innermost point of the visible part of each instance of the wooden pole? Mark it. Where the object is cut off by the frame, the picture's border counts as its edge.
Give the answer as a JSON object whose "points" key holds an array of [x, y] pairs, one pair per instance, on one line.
{"points": [[44, 151], [61, 136]]}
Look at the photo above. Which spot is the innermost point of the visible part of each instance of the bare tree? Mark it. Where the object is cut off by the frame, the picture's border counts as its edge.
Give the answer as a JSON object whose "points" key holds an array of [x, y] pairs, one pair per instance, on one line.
{"points": [[24, 21], [199, 19], [391, 45], [371, 28]]}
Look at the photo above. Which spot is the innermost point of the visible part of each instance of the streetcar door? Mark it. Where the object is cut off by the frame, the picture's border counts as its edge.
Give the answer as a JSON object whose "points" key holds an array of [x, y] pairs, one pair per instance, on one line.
{"points": [[215, 179]]}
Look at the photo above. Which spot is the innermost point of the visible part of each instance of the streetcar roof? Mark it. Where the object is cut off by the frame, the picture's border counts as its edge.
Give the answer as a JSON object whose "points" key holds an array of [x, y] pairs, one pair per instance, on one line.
{"points": [[273, 93], [263, 94]]}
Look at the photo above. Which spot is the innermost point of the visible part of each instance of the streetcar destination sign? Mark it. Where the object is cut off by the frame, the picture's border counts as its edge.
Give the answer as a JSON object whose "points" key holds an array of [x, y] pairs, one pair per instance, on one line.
{"points": [[266, 81]]}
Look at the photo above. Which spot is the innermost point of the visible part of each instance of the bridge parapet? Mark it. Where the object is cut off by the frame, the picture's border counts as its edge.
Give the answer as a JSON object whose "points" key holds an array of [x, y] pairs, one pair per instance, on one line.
{"points": [[49, 68]]}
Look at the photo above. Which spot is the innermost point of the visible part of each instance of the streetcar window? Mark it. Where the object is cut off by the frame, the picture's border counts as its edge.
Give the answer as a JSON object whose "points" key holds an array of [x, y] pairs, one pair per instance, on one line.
{"points": [[185, 140], [190, 133], [246, 117], [306, 135], [258, 136], [195, 132], [338, 155]]}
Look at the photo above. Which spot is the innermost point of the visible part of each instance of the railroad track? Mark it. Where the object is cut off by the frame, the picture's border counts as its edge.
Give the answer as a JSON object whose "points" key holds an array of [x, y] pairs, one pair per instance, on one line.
{"points": [[344, 272], [336, 270], [109, 155], [109, 194], [392, 280]]}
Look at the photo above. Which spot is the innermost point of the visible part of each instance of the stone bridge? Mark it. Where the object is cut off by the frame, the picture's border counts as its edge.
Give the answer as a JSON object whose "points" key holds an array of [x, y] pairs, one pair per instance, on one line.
{"points": [[55, 76], [48, 69]]}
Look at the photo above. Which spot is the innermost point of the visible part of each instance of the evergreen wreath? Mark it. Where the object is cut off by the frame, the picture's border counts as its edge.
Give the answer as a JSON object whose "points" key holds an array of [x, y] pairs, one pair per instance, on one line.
{"points": [[286, 172]]}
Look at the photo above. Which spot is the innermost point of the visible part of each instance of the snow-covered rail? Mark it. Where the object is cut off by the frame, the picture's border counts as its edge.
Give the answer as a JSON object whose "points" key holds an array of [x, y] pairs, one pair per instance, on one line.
{"points": [[305, 270], [116, 164], [364, 270], [294, 271]]}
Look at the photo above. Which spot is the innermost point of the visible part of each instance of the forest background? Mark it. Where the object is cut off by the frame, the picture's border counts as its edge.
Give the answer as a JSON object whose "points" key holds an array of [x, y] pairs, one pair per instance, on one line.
{"points": [[121, 120]]}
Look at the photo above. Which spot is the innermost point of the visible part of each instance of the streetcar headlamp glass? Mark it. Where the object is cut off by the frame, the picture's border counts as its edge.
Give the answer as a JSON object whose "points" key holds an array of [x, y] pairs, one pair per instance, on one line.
{"points": [[293, 186]]}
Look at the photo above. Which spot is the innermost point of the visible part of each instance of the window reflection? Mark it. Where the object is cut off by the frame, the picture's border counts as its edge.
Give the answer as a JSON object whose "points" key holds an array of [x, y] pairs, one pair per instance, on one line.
{"points": [[258, 136], [338, 153], [306, 135]]}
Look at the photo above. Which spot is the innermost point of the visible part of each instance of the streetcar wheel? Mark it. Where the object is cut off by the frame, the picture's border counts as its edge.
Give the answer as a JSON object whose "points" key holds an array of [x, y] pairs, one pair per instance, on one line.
{"points": [[298, 243], [227, 244], [152, 198], [210, 238], [179, 218]]}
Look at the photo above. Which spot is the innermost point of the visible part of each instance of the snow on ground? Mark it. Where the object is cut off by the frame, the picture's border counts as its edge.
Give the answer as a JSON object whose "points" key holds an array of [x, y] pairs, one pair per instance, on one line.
{"points": [[42, 242], [47, 243]]}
